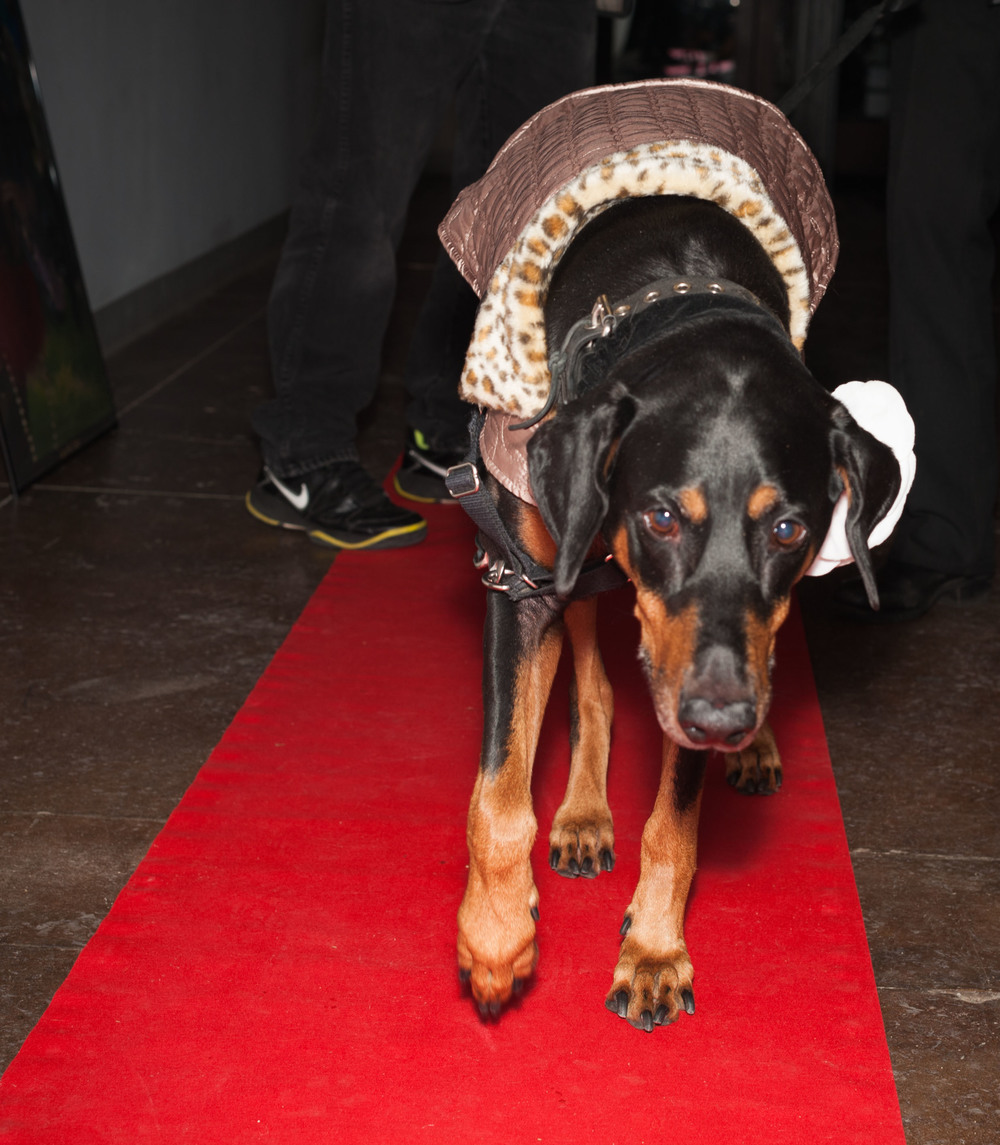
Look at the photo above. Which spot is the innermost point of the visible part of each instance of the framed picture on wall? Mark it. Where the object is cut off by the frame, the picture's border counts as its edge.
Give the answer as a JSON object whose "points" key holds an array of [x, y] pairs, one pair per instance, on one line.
{"points": [[54, 390]]}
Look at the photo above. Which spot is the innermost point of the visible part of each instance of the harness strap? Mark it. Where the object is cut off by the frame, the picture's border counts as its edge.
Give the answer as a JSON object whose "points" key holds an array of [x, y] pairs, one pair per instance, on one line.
{"points": [[508, 568]]}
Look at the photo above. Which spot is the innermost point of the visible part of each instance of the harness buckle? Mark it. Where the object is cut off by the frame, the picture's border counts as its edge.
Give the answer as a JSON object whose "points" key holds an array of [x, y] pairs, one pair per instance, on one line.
{"points": [[462, 480], [494, 576]]}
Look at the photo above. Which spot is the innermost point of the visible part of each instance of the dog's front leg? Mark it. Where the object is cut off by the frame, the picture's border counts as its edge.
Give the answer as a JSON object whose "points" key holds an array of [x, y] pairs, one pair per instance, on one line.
{"points": [[654, 975], [496, 921], [582, 841]]}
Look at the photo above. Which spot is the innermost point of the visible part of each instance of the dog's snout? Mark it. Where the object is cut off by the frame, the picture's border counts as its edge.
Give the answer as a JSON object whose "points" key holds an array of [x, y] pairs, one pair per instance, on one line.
{"points": [[716, 724], [717, 706]]}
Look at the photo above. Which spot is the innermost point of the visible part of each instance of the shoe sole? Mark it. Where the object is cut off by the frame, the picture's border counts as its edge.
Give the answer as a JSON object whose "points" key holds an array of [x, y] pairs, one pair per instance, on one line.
{"points": [[394, 538]]}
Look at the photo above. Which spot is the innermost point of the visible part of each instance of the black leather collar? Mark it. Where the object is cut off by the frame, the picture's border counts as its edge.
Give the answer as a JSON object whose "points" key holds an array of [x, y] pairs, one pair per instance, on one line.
{"points": [[607, 326]]}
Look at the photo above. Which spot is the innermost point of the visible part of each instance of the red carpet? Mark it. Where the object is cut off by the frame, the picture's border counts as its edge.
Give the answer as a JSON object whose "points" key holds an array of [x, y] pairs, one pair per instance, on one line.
{"points": [[281, 966]]}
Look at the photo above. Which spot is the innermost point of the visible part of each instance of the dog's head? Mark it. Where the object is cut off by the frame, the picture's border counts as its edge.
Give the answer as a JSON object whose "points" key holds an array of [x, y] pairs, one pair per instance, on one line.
{"points": [[710, 462]]}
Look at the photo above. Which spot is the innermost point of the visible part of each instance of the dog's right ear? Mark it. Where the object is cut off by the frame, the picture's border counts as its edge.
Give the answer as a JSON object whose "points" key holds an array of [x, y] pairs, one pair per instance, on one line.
{"points": [[872, 443], [570, 460], [867, 472]]}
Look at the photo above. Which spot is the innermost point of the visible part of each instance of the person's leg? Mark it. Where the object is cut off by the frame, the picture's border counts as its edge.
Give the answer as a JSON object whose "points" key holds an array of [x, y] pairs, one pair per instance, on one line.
{"points": [[943, 187], [531, 53], [390, 67]]}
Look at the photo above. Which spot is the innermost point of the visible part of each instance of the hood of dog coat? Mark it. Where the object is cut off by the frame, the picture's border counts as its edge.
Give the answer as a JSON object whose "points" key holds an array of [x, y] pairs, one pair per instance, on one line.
{"points": [[583, 153]]}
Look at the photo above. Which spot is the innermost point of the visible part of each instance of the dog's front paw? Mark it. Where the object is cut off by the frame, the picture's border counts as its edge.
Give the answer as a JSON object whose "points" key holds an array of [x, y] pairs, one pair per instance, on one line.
{"points": [[756, 770], [582, 847], [497, 951], [651, 988]]}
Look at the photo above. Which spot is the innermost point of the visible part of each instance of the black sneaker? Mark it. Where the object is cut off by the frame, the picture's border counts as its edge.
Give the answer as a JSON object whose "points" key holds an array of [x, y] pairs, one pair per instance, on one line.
{"points": [[421, 475], [906, 592], [340, 506]]}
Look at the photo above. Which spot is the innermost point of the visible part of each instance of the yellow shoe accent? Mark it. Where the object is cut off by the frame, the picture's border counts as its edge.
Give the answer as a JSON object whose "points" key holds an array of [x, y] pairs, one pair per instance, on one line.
{"points": [[402, 531], [412, 496], [263, 517]]}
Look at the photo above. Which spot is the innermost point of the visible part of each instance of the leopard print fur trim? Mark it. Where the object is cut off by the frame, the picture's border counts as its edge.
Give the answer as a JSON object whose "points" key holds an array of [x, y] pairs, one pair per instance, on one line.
{"points": [[506, 368]]}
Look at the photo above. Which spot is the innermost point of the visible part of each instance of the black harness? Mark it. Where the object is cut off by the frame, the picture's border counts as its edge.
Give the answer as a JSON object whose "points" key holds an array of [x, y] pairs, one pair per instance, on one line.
{"points": [[507, 567], [590, 347]]}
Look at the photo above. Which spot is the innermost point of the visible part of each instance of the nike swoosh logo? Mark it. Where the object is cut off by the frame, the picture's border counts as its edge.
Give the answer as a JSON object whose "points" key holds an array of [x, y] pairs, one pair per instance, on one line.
{"points": [[300, 500]]}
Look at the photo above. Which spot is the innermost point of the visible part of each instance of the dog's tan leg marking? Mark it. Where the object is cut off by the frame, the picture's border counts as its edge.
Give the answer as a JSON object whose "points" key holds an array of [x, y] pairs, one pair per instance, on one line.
{"points": [[582, 840], [756, 770], [654, 976], [496, 921]]}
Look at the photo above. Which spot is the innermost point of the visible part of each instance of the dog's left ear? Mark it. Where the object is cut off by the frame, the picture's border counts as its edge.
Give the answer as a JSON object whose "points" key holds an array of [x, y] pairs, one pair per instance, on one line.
{"points": [[866, 471], [871, 440], [570, 459]]}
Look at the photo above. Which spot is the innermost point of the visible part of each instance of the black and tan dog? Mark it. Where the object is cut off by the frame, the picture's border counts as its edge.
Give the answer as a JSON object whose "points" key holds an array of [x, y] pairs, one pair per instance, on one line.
{"points": [[692, 446]]}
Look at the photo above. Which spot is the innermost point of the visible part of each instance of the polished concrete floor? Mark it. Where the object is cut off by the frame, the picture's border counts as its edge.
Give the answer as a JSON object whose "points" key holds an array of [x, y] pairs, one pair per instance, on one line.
{"points": [[139, 603]]}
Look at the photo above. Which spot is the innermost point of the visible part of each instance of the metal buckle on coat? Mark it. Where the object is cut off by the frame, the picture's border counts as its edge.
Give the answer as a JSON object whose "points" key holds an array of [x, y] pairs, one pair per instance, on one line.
{"points": [[599, 323]]}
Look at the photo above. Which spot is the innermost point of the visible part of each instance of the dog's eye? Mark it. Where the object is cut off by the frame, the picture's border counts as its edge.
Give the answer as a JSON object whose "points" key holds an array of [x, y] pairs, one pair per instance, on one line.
{"points": [[788, 534], [662, 523]]}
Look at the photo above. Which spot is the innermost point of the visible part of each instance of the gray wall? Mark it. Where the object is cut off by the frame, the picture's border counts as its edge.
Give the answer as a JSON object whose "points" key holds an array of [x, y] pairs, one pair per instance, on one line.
{"points": [[176, 124]]}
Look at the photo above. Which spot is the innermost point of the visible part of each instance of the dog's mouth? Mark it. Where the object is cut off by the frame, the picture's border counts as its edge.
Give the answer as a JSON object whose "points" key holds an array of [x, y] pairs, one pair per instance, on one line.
{"points": [[715, 732], [730, 744]]}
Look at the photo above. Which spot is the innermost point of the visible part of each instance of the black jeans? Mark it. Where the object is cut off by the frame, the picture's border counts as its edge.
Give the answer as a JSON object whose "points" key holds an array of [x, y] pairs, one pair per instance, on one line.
{"points": [[944, 184], [391, 71]]}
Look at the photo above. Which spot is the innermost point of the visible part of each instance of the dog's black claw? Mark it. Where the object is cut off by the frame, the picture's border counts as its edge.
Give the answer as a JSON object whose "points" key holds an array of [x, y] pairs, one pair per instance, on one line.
{"points": [[660, 1017], [554, 858], [607, 860], [463, 974], [534, 913], [688, 999], [733, 778], [646, 1021], [587, 868], [626, 926], [618, 1003], [517, 985], [574, 868]]}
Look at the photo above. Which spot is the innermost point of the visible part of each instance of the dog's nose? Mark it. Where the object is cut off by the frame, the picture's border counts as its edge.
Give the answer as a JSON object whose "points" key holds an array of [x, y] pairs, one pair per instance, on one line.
{"points": [[716, 724]]}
